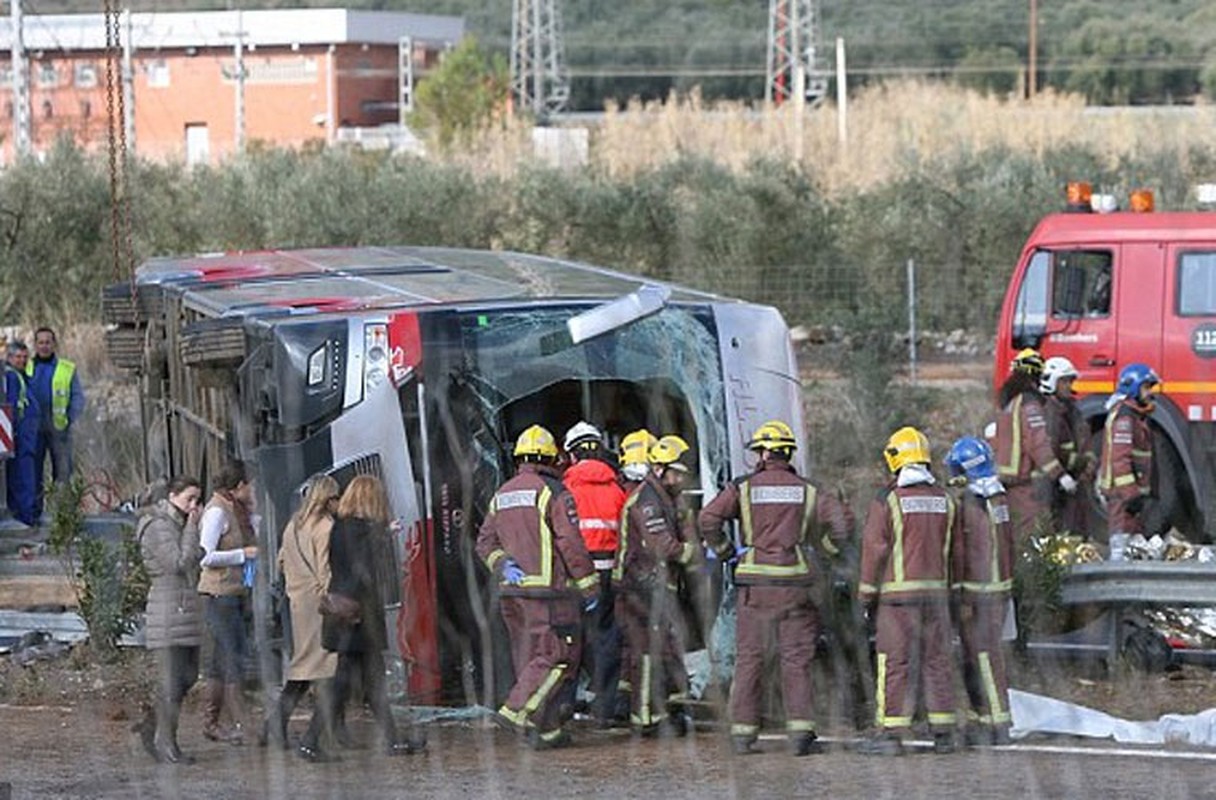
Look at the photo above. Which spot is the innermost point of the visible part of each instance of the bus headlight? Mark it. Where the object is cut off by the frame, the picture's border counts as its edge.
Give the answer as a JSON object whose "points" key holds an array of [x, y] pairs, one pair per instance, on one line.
{"points": [[316, 366], [375, 355]]}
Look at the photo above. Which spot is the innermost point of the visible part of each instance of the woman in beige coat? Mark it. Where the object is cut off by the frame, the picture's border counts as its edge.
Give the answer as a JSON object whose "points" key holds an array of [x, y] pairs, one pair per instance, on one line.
{"points": [[168, 541], [304, 560]]}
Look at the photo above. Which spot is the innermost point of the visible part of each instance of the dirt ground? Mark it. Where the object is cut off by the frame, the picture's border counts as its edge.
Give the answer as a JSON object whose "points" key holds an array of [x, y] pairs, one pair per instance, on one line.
{"points": [[66, 735], [59, 752]]}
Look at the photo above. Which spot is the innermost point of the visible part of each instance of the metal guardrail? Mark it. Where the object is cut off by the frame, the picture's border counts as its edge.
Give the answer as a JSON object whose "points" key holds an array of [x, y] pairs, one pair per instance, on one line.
{"points": [[1151, 583]]}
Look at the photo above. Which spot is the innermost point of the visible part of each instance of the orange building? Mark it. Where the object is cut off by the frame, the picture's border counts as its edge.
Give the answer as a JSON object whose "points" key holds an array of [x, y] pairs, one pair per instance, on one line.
{"points": [[310, 75]]}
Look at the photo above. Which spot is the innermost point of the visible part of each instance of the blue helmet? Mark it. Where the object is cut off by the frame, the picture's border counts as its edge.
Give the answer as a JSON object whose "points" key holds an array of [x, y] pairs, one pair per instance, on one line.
{"points": [[971, 457], [1132, 377]]}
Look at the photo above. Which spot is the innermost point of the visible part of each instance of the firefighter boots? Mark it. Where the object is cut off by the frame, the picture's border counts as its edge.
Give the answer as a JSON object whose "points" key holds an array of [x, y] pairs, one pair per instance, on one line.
{"points": [[882, 745], [806, 744], [943, 743]]}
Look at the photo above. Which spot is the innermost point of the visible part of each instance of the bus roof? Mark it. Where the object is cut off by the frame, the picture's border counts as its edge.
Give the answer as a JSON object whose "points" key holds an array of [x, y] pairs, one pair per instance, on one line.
{"points": [[274, 282], [1081, 228]]}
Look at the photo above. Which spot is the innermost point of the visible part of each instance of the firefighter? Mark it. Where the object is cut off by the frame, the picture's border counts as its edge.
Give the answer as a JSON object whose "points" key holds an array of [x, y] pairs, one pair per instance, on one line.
{"points": [[905, 564], [1070, 438], [1023, 449], [1125, 473], [20, 476], [598, 497], [783, 517], [635, 458], [650, 557], [982, 578], [530, 541]]}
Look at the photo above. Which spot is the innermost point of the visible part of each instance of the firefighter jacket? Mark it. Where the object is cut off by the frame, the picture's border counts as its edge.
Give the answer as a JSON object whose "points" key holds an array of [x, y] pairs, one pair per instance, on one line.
{"points": [[1068, 434], [598, 499], [906, 544], [1127, 452], [651, 545], [983, 555], [532, 520], [1023, 448], [781, 515]]}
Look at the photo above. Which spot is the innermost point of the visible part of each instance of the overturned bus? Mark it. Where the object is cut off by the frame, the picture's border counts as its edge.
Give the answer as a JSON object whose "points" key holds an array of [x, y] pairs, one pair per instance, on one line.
{"points": [[421, 365]]}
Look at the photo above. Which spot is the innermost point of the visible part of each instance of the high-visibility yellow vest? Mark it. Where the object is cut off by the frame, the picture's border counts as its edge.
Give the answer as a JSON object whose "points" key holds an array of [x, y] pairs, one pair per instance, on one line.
{"points": [[61, 390]]}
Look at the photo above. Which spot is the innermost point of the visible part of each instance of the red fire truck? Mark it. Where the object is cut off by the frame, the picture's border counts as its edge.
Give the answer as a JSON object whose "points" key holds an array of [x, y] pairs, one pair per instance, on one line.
{"points": [[1108, 289]]}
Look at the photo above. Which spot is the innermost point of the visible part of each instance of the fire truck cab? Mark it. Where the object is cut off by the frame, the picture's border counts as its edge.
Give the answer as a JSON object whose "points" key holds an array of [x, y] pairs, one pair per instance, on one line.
{"points": [[1108, 289], [421, 366]]}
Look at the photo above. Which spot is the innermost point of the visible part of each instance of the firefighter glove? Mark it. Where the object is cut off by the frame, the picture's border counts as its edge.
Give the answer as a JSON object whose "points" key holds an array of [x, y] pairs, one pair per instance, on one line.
{"points": [[512, 573], [1068, 483]]}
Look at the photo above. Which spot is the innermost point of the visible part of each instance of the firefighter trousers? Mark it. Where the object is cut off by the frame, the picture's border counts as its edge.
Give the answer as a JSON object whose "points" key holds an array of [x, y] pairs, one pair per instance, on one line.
{"points": [[650, 621], [550, 656], [780, 619], [984, 672], [1029, 509], [913, 652]]}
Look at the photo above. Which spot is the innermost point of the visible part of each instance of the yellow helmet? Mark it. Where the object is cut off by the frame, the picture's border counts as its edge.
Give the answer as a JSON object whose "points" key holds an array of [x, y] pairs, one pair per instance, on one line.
{"points": [[668, 451], [906, 446], [773, 435], [635, 447], [1028, 360], [536, 441]]}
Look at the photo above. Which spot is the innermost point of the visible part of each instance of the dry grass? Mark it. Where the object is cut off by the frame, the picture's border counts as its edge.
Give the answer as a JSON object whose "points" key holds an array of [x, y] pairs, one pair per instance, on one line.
{"points": [[893, 128]]}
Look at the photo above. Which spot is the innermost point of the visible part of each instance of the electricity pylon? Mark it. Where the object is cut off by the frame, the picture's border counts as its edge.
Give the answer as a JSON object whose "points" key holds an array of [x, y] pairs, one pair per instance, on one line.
{"points": [[793, 63], [540, 81]]}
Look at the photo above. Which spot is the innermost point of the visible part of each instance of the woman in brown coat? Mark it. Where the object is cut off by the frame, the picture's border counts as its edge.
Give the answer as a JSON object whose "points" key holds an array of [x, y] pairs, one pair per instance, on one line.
{"points": [[304, 561], [168, 540]]}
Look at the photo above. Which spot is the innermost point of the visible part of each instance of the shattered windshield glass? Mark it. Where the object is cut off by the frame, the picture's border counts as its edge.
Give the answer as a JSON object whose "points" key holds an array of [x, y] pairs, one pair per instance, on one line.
{"points": [[511, 355]]}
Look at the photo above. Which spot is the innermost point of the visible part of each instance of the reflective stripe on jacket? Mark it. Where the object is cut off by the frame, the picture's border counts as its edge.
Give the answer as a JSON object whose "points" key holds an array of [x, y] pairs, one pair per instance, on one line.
{"points": [[1127, 451], [906, 544], [1023, 449], [651, 543], [1068, 433], [61, 389], [532, 520], [780, 514], [599, 499], [983, 555]]}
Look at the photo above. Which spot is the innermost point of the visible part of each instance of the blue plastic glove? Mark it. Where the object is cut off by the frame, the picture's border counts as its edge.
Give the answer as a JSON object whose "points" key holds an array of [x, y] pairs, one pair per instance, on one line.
{"points": [[250, 572], [591, 604], [512, 573], [711, 555]]}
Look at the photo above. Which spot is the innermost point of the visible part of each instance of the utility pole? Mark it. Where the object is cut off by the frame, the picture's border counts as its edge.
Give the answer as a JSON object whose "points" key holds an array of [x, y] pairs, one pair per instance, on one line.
{"points": [[238, 53], [792, 58], [405, 77], [540, 82], [1033, 54], [21, 82]]}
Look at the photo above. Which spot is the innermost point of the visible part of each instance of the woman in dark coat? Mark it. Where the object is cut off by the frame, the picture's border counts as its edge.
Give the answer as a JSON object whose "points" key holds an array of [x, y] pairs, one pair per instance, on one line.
{"points": [[360, 527], [168, 540]]}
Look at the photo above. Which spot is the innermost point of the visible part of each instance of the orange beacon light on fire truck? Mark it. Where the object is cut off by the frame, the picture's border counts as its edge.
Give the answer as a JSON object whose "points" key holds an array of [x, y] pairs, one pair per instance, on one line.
{"points": [[1141, 201], [1079, 194]]}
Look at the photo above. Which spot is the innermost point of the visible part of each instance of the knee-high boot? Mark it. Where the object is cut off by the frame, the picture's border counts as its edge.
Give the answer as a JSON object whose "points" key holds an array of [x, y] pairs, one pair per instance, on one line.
{"points": [[234, 699], [213, 704]]}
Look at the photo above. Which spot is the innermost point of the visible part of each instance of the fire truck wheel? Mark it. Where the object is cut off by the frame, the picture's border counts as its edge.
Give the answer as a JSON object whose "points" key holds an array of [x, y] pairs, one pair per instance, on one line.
{"points": [[1176, 500]]}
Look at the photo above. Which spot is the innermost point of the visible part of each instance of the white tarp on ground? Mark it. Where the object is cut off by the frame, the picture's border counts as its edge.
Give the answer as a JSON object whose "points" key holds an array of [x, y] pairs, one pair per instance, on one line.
{"points": [[1033, 713]]}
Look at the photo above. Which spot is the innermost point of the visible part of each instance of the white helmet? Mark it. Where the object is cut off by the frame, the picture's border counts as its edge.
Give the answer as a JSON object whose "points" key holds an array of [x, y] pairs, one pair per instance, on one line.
{"points": [[585, 435], [1054, 369]]}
